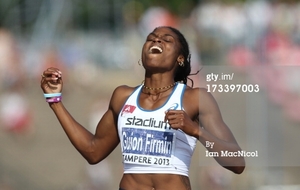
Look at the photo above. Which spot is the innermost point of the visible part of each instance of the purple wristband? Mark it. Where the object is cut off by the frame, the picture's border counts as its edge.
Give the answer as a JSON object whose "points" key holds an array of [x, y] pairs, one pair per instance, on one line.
{"points": [[54, 99]]}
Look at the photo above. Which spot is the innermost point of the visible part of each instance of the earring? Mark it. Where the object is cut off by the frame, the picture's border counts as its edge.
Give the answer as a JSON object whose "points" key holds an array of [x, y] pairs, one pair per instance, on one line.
{"points": [[181, 64], [139, 62]]}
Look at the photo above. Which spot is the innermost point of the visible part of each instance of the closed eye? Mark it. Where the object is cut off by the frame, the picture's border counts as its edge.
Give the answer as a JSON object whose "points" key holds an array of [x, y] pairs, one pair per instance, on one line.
{"points": [[149, 39], [167, 39]]}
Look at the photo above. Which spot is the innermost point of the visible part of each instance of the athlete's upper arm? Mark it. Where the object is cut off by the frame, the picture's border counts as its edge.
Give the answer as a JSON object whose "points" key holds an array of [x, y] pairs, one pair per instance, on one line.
{"points": [[106, 136], [210, 117], [191, 103]]}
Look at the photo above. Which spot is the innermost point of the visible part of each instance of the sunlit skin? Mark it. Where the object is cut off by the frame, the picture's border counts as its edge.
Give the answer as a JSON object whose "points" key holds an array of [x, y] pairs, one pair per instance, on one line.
{"points": [[201, 120]]}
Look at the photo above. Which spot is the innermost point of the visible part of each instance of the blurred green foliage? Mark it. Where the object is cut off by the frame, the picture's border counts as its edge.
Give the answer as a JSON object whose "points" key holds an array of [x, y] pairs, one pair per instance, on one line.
{"points": [[86, 14], [21, 15]]}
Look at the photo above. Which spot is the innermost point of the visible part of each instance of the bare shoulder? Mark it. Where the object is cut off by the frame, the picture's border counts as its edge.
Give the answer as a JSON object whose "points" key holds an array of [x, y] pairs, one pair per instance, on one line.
{"points": [[119, 96], [198, 98], [196, 93], [191, 101], [208, 103], [191, 94], [123, 90]]}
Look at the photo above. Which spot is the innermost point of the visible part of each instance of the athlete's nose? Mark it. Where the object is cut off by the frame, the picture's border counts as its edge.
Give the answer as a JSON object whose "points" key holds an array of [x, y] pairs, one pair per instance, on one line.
{"points": [[157, 39]]}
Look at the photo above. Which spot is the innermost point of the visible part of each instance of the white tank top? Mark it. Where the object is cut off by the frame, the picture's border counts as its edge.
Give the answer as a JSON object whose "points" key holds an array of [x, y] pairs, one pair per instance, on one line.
{"points": [[148, 143]]}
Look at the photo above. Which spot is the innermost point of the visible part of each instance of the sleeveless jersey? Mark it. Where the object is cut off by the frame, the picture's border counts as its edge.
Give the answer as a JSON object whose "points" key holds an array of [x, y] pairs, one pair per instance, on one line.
{"points": [[148, 143]]}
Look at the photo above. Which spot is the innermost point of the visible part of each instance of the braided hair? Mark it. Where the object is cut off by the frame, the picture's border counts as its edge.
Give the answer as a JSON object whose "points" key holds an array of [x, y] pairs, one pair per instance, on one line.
{"points": [[182, 72]]}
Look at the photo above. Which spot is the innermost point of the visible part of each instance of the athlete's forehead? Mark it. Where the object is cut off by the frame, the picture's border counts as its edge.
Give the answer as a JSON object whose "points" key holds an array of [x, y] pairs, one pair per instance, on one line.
{"points": [[164, 31]]}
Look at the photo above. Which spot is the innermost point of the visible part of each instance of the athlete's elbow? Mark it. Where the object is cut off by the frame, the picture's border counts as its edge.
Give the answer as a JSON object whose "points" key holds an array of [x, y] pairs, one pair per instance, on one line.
{"points": [[92, 160], [236, 169], [239, 168], [91, 157]]}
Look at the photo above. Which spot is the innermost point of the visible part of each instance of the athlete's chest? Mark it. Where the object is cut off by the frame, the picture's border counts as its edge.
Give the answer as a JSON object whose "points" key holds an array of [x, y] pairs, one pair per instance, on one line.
{"points": [[151, 102]]}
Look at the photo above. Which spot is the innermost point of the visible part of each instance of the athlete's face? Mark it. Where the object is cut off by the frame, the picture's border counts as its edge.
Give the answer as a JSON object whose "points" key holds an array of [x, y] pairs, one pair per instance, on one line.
{"points": [[161, 49]]}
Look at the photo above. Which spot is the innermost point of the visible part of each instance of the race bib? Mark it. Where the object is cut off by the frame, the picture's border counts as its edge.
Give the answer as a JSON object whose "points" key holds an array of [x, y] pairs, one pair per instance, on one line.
{"points": [[147, 147]]}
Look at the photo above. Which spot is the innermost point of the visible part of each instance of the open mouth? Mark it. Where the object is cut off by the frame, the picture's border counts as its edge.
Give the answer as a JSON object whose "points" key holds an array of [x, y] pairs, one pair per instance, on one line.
{"points": [[155, 49]]}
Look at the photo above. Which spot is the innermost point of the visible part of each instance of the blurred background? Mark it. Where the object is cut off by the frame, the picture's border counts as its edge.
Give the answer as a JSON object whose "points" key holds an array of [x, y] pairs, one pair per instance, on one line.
{"points": [[97, 45]]}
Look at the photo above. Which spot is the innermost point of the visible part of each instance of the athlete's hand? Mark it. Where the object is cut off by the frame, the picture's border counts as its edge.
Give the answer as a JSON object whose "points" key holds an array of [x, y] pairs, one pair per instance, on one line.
{"points": [[178, 119], [52, 81]]}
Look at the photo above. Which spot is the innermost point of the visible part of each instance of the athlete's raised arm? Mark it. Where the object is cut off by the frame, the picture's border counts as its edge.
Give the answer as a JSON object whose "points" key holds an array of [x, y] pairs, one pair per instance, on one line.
{"points": [[93, 147]]}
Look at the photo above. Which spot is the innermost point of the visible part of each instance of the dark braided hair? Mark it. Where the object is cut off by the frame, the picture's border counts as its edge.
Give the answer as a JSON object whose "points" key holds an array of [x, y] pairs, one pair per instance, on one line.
{"points": [[183, 72]]}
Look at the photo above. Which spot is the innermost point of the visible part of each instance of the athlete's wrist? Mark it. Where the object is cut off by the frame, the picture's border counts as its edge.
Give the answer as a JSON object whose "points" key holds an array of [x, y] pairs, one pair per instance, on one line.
{"points": [[55, 105]]}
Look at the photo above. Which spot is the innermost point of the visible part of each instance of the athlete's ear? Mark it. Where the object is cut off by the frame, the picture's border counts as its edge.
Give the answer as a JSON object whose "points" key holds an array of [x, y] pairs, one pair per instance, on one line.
{"points": [[180, 59]]}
